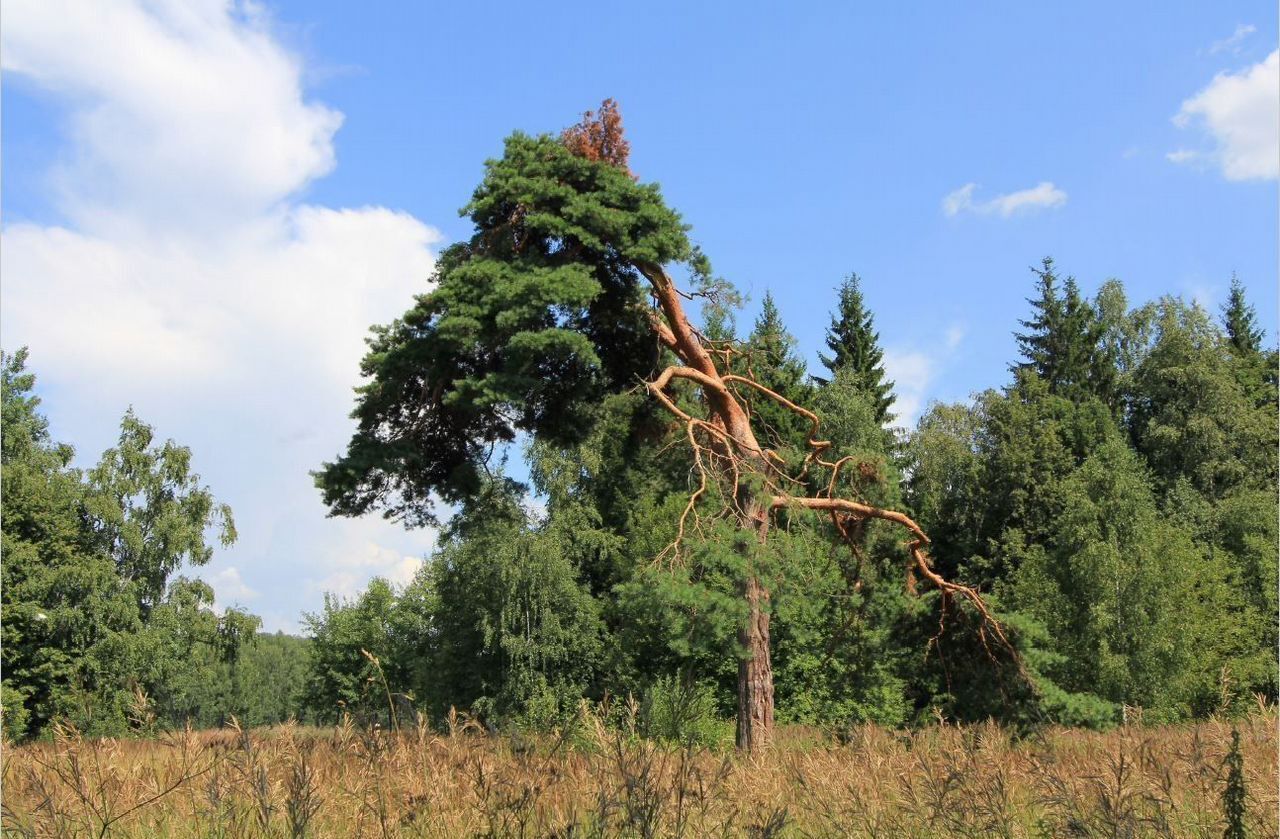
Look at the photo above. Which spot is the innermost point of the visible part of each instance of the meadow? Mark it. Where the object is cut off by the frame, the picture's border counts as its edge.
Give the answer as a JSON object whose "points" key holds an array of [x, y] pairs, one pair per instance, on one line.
{"points": [[598, 779]]}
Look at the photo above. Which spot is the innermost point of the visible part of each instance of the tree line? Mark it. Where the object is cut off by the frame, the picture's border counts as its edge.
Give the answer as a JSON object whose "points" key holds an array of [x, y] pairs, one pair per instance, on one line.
{"points": [[97, 629], [1115, 502], [1096, 535], [702, 518]]}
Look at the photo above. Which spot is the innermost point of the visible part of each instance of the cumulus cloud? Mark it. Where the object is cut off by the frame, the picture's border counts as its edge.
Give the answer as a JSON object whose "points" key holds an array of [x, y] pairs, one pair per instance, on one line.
{"points": [[189, 112], [1043, 195], [188, 277], [1240, 114], [299, 286]]}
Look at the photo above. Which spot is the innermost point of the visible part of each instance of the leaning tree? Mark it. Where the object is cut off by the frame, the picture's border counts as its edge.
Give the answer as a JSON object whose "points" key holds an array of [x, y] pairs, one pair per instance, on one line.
{"points": [[564, 294]]}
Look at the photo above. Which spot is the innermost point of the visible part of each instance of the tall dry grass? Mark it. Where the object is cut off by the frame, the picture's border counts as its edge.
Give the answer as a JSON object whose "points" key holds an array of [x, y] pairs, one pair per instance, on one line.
{"points": [[594, 780]]}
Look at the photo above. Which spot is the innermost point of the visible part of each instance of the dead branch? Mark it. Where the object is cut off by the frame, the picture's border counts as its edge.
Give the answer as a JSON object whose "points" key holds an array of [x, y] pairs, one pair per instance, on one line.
{"points": [[737, 449]]}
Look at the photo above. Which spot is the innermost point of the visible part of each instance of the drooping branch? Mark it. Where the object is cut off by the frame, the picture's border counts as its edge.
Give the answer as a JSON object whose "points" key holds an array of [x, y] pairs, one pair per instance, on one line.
{"points": [[730, 442], [916, 546]]}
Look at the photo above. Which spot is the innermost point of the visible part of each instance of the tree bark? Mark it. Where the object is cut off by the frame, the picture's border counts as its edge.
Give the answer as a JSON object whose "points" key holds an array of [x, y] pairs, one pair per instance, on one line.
{"points": [[755, 671]]}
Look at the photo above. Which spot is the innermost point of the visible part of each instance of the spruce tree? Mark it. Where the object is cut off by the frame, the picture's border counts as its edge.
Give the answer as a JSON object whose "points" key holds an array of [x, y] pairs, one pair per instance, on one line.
{"points": [[774, 364], [1039, 345], [1241, 322], [855, 346], [1064, 341]]}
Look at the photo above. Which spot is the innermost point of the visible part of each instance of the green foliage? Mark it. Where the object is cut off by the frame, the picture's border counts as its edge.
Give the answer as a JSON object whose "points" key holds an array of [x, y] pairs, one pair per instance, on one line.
{"points": [[837, 661], [1114, 503], [772, 362], [148, 512], [1116, 583], [855, 349], [1143, 563], [985, 479], [1190, 417], [684, 618], [1063, 345], [1241, 322], [90, 614], [852, 423], [684, 712], [355, 646], [503, 624], [533, 321]]}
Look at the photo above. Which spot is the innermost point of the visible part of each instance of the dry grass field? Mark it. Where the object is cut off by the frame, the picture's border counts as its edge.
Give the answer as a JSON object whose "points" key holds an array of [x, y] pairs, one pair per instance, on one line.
{"points": [[602, 781]]}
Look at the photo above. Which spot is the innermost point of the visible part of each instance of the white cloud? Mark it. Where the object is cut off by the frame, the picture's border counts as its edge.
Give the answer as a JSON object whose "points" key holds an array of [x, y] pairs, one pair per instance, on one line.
{"points": [[1181, 156], [229, 587], [911, 373], [189, 112], [1043, 195], [184, 255], [189, 278], [394, 568], [1240, 113], [914, 370], [1232, 42], [1204, 293], [961, 199]]}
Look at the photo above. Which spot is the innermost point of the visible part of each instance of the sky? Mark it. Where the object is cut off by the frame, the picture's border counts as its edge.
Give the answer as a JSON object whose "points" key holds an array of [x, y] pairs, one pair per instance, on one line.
{"points": [[206, 204]]}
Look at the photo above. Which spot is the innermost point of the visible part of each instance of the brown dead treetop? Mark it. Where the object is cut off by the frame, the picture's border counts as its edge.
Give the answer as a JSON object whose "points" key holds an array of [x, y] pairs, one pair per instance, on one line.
{"points": [[599, 136]]}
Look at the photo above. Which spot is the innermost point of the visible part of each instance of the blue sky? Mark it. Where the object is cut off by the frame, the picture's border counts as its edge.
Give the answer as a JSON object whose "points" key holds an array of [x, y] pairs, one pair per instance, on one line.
{"points": [[203, 212]]}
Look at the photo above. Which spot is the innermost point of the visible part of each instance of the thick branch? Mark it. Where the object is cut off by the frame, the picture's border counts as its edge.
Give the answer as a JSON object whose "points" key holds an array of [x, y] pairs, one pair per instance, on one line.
{"points": [[684, 338], [813, 441], [916, 546], [730, 423], [852, 508], [665, 336]]}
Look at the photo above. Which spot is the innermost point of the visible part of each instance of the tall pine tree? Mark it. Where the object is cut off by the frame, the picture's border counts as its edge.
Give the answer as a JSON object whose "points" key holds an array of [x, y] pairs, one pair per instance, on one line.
{"points": [[855, 347]]}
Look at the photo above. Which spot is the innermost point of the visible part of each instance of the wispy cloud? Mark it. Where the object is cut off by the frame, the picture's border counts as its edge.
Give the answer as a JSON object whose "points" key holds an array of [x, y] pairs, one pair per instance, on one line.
{"points": [[1233, 41], [1043, 195], [1240, 114], [911, 372]]}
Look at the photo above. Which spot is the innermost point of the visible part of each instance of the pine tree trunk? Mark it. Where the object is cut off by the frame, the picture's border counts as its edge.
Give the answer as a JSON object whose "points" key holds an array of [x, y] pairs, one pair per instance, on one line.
{"points": [[755, 671]]}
